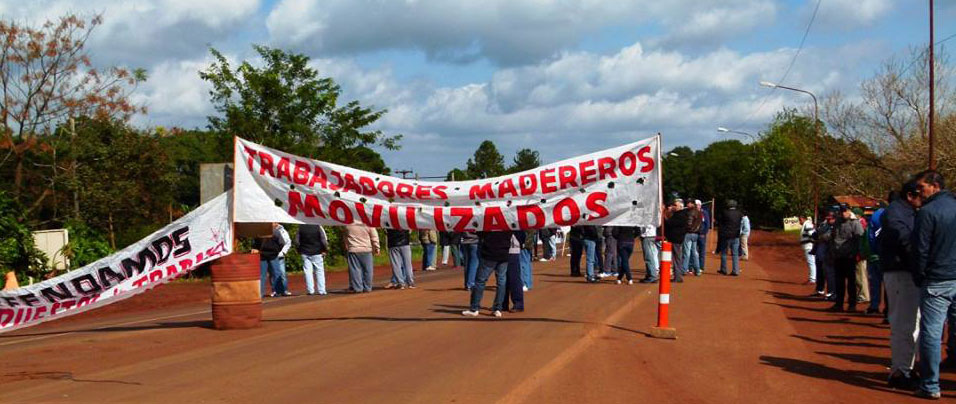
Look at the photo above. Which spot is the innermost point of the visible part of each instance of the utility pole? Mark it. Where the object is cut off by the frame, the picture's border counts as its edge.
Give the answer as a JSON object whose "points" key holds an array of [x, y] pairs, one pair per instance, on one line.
{"points": [[932, 92]]}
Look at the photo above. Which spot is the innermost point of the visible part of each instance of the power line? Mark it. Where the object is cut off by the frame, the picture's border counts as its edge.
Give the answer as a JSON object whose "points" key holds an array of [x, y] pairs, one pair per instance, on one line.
{"points": [[792, 62], [923, 53]]}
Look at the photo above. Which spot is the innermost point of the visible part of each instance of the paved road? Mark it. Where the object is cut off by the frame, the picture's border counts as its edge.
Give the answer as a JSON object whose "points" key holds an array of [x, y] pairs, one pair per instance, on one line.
{"points": [[748, 339]]}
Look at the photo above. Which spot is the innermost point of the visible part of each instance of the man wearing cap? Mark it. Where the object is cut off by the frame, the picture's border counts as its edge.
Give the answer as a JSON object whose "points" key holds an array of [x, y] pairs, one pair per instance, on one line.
{"points": [[702, 234], [729, 233], [843, 249]]}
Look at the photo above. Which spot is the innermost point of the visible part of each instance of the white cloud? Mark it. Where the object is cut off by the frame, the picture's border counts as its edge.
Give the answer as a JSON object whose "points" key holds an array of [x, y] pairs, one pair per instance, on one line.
{"points": [[504, 31], [175, 95], [849, 14]]}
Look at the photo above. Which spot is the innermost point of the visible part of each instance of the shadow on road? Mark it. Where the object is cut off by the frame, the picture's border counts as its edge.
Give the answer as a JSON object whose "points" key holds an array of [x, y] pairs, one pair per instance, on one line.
{"points": [[841, 320], [9, 377], [859, 358], [837, 343], [163, 325]]}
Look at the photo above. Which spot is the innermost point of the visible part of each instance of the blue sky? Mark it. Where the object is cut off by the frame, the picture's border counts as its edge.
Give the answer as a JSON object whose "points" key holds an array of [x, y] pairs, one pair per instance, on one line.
{"points": [[563, 77]]}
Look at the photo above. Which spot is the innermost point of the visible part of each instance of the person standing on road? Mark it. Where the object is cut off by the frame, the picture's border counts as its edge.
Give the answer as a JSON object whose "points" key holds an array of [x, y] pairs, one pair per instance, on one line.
{"points": [[400, 256], [590, 236], [729, 235], [610, 251], [745, 237], [896, 258], [361, 242], [860, 273], [625, 247], [650, 248], [874, 273], [934, 244], [312, 244], [675, 229], [702, 234], [547, 244], [428, 239], [806, 242], [691, 259], [469, 253], [514, 296], [576, 238], [524, 256], [495, 247], [826, 276], [844, 248], [272, 251]]}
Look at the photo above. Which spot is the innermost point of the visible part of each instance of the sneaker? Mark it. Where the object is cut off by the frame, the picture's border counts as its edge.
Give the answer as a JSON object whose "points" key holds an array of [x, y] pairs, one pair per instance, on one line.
{"points": [[630, 282], [470, 313], [900, 381], [273, 294], [401, 287], [497, 313], [697, 273], [821, 293], [542, 260], [870, 310], [412, 286], [516, 310], [618, 282], [927, 395], [648, 280], [391, 286], [287, 293], [524, 289], [734, 274]]}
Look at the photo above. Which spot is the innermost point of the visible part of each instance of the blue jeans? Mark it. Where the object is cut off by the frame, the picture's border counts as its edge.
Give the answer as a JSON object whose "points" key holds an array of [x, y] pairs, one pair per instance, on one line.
{"points": [[265, 274], [469, 253], [938, 301], [691, 258], [361, 271], [525, 264], [651, 257], [428, 255], [624, 251], [701, 249], [590, 256], [314, 268], [276, 270], [401, 260], [487, 267], [875, 277], [734, 245]]}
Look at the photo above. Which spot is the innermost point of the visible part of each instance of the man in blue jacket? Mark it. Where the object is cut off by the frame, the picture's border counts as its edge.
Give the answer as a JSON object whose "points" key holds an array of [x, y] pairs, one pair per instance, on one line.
{"points": [[934, 244], [702, 234]]}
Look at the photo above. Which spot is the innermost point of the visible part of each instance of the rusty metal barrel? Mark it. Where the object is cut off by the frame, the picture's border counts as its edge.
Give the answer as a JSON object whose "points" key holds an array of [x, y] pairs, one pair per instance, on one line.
{"points": [[236, 299]]}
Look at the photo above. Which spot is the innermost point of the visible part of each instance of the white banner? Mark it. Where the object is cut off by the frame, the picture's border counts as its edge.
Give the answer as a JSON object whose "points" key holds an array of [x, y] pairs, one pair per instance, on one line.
{"points": [[617, 187], [201, 236]]}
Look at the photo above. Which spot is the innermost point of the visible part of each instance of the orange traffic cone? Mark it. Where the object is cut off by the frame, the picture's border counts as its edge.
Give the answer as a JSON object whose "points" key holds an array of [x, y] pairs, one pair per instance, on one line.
{"points": [[11, 282]]}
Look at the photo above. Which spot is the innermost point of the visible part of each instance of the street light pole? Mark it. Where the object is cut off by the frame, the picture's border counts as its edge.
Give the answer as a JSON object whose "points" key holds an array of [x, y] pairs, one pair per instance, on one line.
{"points": [[722, 129], [932, 95], [816, 142]]}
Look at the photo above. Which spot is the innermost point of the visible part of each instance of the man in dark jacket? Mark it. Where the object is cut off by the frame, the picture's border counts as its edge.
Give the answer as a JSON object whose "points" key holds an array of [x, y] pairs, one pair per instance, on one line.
{"points": [[896, 261], [729, 235], [514, 293], [576, 239], [675, 229], [625, 236], [400, 256], [934, 247], [312, 242], [494, 251], [702, 234], [844, 248], [590, 236]]}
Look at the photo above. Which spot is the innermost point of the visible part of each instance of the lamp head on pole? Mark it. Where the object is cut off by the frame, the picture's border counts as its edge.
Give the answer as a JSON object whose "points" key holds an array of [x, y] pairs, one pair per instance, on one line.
{"points": [[722, 129], [768, 84]]}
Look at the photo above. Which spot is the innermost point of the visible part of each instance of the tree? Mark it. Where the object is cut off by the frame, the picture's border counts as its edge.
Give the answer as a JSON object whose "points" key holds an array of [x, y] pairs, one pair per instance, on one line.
{"points": [[525, 159], [487, 162], [287, 106], [457, 174], [48, 77], [17, 249]]}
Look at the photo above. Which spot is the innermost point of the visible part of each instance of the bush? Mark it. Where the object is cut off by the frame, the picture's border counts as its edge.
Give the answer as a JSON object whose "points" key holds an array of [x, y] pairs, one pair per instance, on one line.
{"points": [[17, 248], [86, 244]]}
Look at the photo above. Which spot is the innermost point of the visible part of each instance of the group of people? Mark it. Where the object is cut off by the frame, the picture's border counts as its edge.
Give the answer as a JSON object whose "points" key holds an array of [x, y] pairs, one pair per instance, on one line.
{"points": [[906, 250]]}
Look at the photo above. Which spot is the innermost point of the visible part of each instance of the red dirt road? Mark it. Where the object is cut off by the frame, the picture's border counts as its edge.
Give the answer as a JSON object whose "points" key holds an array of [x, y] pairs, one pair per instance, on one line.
{"points": [[747, 339]]}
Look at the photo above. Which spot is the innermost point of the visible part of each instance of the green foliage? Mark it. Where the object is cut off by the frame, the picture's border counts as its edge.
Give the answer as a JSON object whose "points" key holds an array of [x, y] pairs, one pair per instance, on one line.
{"points": [[86, 244], [457, 174], [486, 163], [187, 150], [286, 105], [525, 159], [17, 249]]}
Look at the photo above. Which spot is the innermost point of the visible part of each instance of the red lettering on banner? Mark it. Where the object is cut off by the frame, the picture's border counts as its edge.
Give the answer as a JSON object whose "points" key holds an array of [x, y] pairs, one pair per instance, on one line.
{"points": [[647, 160], [404, 190], [566, 177], [588, 173], [252, 154], [186, 265], [282, 169], [67, 305], [393, 217], [464, 216], [318, 177], [507, 187], [368, 186], [439, 219], [547, 181], [410, 218], [439, 191], [53, 308], [482, 191], [6, 316], [39, 313], [139, 282], [375, 220], [301, 173], [310, 208], [423, 192], [527, 184], [340, 212], [535, 211], [155, 275], [494, 219], [265, 163], [386, 188], [595, 203], [606, 168], [351, 185], [573, 211], [337, 185], [627, 163], [171, 270]]}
